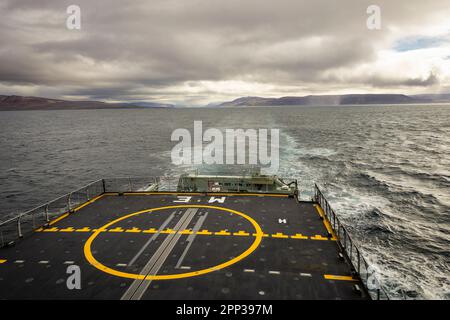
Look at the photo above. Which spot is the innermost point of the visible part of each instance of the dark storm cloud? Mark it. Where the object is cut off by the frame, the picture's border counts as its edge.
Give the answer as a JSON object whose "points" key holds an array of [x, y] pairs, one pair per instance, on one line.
{"points": [[138, 49]]}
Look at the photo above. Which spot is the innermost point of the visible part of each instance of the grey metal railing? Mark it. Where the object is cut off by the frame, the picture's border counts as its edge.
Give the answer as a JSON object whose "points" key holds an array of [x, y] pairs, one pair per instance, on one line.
{"points": [[361, 268], [141, 184], [171, 184], [24, 223]]}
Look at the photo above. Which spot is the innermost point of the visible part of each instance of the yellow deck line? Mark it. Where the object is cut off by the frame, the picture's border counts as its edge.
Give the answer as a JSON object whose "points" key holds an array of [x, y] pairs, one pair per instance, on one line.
{"points": [[204, 232], [168, 231], [87, 203], [151, 230], [75, 210], [241, 234], [250, 194], [2, 261], [58, 219], [85, 229], [326, 222], [299, 236], [264, 235], [54, 229], [222, 233], [340, 278], [97, 264], [277, 235], [65, 215], [158, 193], [143, 193], [319, 237]]}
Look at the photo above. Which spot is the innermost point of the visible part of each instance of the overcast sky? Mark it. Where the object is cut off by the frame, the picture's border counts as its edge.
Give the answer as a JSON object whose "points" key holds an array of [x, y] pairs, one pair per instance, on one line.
{"points": [[194, 52]]}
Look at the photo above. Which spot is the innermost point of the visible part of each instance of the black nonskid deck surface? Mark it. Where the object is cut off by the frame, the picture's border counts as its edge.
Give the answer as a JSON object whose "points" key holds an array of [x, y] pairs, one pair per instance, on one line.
{"points": [[188, 247]]}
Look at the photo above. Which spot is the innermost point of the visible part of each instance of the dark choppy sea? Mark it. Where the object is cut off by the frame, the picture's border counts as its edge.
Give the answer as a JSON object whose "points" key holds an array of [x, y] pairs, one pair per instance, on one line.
{"points": [[385, 169]]}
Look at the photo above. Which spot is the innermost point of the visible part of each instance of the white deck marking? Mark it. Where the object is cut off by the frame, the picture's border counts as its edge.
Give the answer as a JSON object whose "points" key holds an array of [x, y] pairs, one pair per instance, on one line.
{"points": [[191, 238], [153, 238], [249, 270], [138, 287], [219, 200], [306, 274], [274, 272], [183, 199], [185, 267]]}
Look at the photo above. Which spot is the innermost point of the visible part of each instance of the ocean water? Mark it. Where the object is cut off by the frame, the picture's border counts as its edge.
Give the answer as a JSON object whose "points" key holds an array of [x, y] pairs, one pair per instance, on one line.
{"points": [[384, 169]]}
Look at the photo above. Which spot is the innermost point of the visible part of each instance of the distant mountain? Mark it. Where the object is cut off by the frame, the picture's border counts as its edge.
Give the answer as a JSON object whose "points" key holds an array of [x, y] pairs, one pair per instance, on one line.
{"points": [[249, 101], [144, 104], [444, 97], [330, 100], [37, 103]]}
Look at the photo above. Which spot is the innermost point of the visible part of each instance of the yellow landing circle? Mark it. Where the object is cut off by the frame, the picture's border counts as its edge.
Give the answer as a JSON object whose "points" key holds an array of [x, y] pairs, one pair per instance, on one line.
{"points": [[90, 258]]}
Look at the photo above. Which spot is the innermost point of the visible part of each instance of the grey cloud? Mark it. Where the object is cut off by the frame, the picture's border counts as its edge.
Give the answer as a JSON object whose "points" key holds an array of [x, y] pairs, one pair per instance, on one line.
{"points": [[139, 49], [431, 80]]}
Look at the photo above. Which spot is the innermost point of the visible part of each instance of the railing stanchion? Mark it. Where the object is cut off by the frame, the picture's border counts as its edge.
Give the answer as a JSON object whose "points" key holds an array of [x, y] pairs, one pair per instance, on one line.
{"points": [[69, 205], [19, 227], [46, 213], [359, 261], [339, 232], [334, 222], [351, 248], [346, 240]]}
